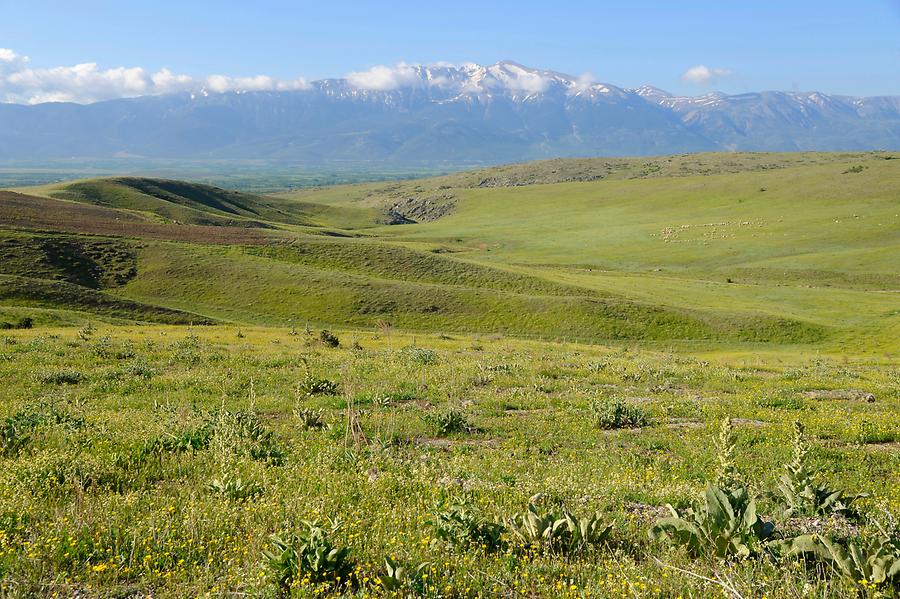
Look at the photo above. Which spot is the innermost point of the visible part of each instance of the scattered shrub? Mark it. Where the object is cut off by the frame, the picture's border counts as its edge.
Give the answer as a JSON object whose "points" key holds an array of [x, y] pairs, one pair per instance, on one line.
{"points": [[86, 332], [801, 494], [235, 489], [419, 355], [397, 578], [329, 338], [564, 533], [462, 527], [259, 443], [724, 523], [310, 419], [873, 564], [308, 555], [65, 376], [312, 385], [22, 323], [14, 436], [613, 413], [448, 422]]}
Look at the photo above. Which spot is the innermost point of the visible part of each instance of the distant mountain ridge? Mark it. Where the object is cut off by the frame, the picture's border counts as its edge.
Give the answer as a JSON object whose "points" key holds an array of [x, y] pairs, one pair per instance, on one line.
{"points": [[446, 114]]}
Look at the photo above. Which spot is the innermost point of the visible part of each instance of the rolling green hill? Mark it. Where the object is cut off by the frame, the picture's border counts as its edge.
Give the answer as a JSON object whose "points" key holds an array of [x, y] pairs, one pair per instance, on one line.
{"points": [[197, 204], [715, 248]]}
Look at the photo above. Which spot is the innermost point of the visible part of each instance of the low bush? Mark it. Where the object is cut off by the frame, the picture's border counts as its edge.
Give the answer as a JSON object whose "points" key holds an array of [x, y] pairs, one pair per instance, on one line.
{"points": [[329, 338], [308, 555], [613, 413], [462, 527], [448, 422], [564, 532], [312, 385]]}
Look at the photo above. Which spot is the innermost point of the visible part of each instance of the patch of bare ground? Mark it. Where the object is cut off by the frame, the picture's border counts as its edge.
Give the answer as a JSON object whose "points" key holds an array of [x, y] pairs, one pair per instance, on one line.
{"points": [[749, 422], [615, 431], [888, 446], [445, 443], [523, 412], [644, 512], [835, 525], [845, 394], [685, 423], [416, 210]]}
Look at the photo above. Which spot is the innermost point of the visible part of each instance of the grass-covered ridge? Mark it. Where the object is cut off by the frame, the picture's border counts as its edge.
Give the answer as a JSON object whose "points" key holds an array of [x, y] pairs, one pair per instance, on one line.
{"points": [[795, 249], [199, 204]]}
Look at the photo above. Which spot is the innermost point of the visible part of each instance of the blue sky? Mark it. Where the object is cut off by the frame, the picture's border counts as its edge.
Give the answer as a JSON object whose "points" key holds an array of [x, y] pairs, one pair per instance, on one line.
{"points": [[831, 46]]}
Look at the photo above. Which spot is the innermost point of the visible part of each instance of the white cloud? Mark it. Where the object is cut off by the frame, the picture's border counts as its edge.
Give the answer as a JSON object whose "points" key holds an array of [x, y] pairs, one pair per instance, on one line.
{"points": [[8, 56], [532, 83], [584, 82], [223, 83], [87, 82], [384, 78], [704, 75], [10, 62]]}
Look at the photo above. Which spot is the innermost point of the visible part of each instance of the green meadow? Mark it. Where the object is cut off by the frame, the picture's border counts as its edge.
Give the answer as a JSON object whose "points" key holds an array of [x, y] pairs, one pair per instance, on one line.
{"points": [[656, 377]]}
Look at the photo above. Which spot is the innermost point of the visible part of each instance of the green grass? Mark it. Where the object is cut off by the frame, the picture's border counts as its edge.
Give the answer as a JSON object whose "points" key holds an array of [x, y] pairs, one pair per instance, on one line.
{"points": [[725, 248], [208, 280], [111, 491], [24, 292], [89, 262], [804, 240], [574, 330], [198, 204]]}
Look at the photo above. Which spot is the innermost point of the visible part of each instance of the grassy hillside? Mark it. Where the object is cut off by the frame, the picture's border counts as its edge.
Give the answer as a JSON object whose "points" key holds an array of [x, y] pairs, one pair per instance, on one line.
{"points": [[198, 204], [591, 337], [797, 249], [814, 237]]}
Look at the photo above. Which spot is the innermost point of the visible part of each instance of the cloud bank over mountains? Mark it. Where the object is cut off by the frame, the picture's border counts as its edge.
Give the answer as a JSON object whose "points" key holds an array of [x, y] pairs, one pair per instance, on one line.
{"points": [[88, 82], [411, 114]]}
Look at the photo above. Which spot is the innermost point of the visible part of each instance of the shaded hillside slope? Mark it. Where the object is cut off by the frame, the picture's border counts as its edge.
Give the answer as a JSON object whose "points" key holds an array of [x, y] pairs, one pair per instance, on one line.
{"points": [[184, 202]]}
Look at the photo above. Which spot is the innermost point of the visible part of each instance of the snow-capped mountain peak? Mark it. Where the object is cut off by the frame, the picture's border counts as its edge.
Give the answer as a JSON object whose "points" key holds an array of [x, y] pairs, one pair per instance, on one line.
{"points": [[502, 112]]}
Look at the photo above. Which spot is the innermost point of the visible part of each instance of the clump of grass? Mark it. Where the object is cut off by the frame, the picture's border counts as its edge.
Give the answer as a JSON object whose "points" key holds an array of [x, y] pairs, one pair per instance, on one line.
{"points": [[419, 355], [868, 431], [22, 323], [613, 412], [65, 376], [448, 422], [312, 385], [329, 339], [308, 555], [309, 419]]}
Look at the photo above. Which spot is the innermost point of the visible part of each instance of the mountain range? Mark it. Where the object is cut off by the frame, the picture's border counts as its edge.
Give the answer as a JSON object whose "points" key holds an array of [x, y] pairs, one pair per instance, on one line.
{"points": [[505, 112]]}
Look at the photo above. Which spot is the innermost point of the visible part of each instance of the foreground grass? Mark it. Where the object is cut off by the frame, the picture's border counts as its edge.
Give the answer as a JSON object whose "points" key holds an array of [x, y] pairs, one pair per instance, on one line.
{"points": [[116, 486]]}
